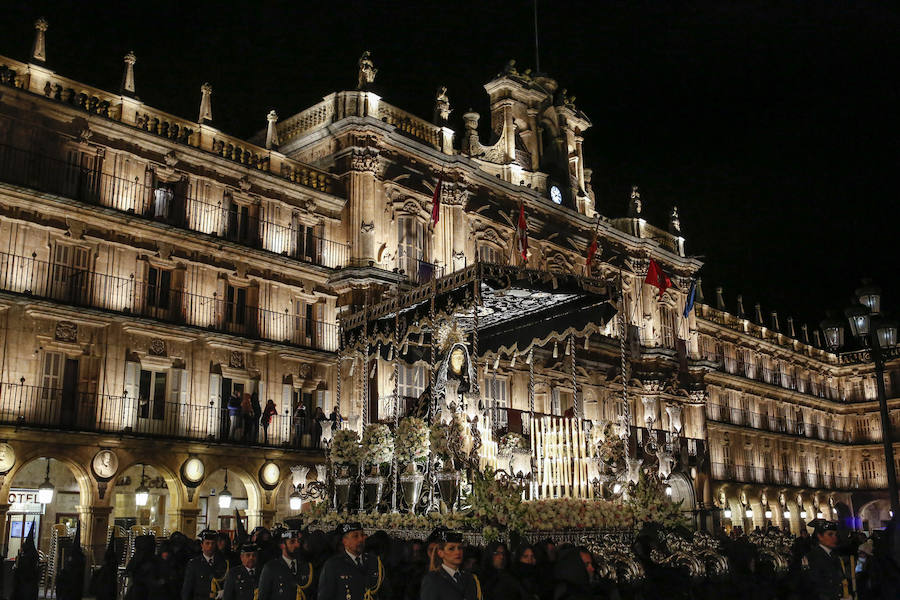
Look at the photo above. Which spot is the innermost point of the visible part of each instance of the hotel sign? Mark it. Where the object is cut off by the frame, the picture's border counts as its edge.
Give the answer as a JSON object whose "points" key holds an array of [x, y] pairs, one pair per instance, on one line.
{"points": [[25, 501]]}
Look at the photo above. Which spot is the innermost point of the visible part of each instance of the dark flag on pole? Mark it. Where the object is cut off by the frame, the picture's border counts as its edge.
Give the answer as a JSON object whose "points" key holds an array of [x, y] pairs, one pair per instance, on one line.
{"points": [[689, 303], [436, 201]]}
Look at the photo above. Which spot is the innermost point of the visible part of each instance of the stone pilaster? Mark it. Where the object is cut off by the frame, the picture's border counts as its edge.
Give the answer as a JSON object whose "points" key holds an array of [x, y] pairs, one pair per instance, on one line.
{"points": [[362, 200], [95, 521], [256, 518], [184, 520]]}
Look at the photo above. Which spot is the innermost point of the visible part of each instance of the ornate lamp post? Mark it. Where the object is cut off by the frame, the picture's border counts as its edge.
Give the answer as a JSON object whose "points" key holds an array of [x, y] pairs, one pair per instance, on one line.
{"points": [[873, 330]]}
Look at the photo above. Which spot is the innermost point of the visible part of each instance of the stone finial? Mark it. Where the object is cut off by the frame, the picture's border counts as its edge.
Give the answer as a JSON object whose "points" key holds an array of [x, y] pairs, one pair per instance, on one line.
{"points": [[804, 330], [817, 338], [674, 222], [635, 206], [271, 131], [367, 71], [442, 108], [740, 306], [470, 144], [128, 76], [700, 299], [720, 299], [758, 309], [773, 317], [205, 103], [39, 50], [791, 330]]}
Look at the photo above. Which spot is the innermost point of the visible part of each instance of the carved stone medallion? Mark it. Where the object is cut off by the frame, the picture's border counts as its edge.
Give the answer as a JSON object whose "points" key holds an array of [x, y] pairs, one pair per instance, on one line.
{"points": [[7, 457], [236, 360], [157, 347], [105, 464], [66, 331]]}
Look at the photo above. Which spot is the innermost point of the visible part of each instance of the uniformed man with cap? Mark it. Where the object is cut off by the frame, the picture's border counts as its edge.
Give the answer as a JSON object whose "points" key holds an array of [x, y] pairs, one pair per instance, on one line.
{"points": [[352, 574], [446, 580], [287, 577], [204, 574], [241, 582], [825, 572]]}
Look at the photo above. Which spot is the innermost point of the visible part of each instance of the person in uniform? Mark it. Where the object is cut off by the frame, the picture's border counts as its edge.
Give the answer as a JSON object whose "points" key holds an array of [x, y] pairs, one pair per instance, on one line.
{"points": [[204, 573], [447, 580], [287, 577], [241, 582], [824, 571], [352, 574]]}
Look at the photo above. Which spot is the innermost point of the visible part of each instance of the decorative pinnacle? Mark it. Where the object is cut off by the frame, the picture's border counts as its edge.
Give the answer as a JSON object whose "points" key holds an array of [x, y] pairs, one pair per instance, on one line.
{"points": [[41, 24], [130, 58], [39, 49]]}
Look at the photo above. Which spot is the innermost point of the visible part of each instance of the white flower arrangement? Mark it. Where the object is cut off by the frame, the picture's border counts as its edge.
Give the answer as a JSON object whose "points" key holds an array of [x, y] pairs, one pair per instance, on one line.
{"points": [[345, 448], [512, 441], [413, 440], [378, 444]]}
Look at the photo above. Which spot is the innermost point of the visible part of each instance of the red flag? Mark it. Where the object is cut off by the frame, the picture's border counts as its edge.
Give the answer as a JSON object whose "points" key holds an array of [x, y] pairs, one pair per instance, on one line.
{"points": [[522, 231], [436, 202], [658, 278], [592, 250]]}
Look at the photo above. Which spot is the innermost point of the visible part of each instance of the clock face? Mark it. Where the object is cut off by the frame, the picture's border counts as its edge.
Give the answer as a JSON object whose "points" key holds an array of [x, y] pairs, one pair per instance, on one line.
{"points": [[193, 470], [269, 474], [7, 457], [556, 195], [105, 464]]}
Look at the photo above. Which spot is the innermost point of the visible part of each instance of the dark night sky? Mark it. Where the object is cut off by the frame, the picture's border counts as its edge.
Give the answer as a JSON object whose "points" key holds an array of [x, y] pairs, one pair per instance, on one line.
{"points": [[772, 125]]}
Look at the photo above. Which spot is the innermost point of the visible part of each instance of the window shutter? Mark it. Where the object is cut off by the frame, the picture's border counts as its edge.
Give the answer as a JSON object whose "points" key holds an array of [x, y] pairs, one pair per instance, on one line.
{"points": [[285, 412], [132, 390]]}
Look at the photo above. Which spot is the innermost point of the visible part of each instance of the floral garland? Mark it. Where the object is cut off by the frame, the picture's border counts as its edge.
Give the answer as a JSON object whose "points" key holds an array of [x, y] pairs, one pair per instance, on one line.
{"points": [[413, 440], [345, 448], [377, 444], [510, 442]]}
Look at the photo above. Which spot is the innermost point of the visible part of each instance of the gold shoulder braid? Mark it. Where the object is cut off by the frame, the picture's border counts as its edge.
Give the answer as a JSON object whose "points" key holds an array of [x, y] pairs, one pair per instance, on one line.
{"points": [[372, 592], [477, 586], [301, 589], [217, 584]]}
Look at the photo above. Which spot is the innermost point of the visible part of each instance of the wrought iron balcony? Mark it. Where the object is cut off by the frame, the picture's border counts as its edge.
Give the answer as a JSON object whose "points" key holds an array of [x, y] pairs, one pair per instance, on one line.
{"points": [[160, 301], [767, 422], [178, 205], [61, 409], [774, 476]]}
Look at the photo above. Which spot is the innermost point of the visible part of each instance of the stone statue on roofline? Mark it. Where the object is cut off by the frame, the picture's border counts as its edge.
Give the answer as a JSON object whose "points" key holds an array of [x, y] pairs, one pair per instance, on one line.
{"points": [[442, 108], [367, 71]]}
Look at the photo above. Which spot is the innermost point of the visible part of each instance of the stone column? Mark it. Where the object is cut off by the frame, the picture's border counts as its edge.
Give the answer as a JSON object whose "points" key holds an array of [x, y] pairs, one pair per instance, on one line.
{"points": [[361, 194], [95, 522], [579, 168], [184, 520], [538, 135], [4, 508]]}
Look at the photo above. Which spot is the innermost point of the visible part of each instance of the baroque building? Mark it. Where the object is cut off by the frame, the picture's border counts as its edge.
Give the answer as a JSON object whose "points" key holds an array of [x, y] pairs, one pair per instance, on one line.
{"points": [[157, 272]]}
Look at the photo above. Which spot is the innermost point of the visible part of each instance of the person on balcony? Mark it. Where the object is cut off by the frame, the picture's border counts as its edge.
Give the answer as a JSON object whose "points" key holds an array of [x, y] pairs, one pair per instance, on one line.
{"points": [[246, 417], [318, 424], [253, 422], [335, 419], [234, 416], [268, 412], [300, 424]]}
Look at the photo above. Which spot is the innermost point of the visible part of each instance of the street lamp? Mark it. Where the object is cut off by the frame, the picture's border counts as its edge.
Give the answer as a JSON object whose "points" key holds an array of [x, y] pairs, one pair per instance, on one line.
{"points": [[871, 329], [296, 500], [225, 495], [142, 493], [46, 489]]}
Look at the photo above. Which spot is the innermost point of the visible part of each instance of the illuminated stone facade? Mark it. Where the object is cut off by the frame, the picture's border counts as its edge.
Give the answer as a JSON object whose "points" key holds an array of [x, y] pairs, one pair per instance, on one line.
{"points": [[152, 266]]}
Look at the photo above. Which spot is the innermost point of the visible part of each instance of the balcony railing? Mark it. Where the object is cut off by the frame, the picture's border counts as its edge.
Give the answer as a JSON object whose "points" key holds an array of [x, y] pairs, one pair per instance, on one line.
{"points": [[767, 422], [736, 366], [418, 271], [175, 204], [81, 287], [774, 476], [70, 410]]}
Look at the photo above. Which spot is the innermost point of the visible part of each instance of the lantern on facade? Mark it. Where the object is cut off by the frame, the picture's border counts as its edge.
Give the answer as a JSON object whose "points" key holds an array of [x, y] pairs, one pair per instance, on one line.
{"points": [[296, 500], [225, 495], [46, 489], [142, 493]]}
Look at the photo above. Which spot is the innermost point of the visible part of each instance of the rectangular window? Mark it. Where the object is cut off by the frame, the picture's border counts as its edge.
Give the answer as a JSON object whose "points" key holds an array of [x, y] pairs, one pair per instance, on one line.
{"points": [[152, 395], [159, 288], [490, 254], [235, 305], [411, 244], [413, 381], [498, 399], [667, 322], [69, 273], [868, 470]]}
